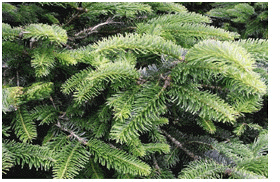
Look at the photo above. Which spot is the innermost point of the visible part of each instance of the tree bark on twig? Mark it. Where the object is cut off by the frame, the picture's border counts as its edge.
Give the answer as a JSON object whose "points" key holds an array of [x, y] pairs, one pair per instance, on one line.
{"points": [[17, 79], [179, 145], [91, 30]]}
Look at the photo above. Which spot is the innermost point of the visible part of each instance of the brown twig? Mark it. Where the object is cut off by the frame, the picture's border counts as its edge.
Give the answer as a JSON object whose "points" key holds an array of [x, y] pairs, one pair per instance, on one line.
{"points": [[4, 73], [141, 81], [167, 81], [17, 79], [72, 133], [179, 145], [156, 165], [117, 30], [214, 87], [91, 30], [52, 102]]}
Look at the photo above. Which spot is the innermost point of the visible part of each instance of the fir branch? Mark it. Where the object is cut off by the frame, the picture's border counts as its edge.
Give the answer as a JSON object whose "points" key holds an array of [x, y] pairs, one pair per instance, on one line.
{"points": [[260, 145], [70, 84], [207, 125], [204, 169], [167, 6], [118, 9], [47, 114], [52, 33], [183, 17], [117, 159], [92, 170], [9, 33], [157, 147], [138, 43], [33, 155], [8, 159], [24, 126], [122, 103], [101, 122], [43, 61], [215, 57], [70, 161], [118, 73], [189, 32], [258, 165], [208, 105], [66, 57], [240, 129], [136, 147], [149, 105], [244, 174], [256, 47], [11, 98], [37, 91], [225, 51], [235, 150]]}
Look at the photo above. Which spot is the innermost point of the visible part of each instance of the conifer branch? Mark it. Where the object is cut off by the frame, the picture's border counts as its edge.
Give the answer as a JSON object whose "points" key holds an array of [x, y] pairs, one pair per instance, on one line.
{"points": [[71, 160], [120, 160], [24, 126]]}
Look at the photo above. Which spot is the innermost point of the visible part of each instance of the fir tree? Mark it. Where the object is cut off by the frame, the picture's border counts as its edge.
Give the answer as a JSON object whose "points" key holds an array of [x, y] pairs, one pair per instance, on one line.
{"points": [[129, 90]]}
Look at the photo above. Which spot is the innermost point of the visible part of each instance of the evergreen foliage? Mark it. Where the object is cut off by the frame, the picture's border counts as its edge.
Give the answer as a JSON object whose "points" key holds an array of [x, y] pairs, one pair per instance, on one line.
{"points": [[252, 17], [130, 90], [246, 161]]}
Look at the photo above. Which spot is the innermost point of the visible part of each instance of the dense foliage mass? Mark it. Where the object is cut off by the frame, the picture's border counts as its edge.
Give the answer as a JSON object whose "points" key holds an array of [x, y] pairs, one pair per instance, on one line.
{"points": [[132, 90], [248, 19]]}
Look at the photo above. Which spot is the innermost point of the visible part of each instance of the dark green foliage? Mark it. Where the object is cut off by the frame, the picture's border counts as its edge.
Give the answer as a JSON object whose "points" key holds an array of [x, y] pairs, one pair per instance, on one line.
{"points": [[138, 90], [117, 159], [252, 17], [24, 126], [32, 155], [71, 160], [244, 161]]}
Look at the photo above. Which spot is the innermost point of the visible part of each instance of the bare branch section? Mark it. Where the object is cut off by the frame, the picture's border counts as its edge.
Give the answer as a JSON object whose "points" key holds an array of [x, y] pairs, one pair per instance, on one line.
{"points": [[63, 128], [91, 30], [72, 133], [167, 80], [179, 145], [156, 165], [17, 79]]}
